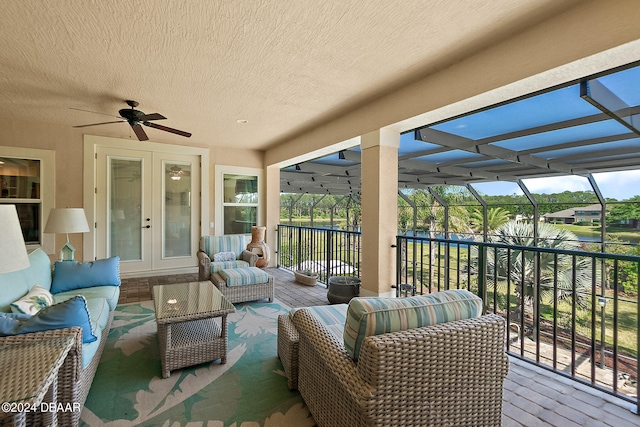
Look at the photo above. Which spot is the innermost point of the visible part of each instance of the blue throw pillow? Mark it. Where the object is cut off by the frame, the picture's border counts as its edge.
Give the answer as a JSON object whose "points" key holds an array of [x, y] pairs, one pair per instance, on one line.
{"points": [[70, 275], [72, 312]]}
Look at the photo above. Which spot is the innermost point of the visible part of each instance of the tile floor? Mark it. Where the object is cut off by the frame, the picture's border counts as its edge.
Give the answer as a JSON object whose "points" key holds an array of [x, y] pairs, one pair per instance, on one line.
{"points": [[532, 396]]}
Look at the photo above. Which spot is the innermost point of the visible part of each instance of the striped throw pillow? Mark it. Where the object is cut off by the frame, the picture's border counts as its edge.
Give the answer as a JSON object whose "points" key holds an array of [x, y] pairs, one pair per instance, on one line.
{"points": [[376, 316]]}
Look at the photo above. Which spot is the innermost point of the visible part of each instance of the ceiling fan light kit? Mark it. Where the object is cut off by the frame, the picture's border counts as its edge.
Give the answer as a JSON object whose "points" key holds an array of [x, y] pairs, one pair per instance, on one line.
{"points": [[137, 118]]}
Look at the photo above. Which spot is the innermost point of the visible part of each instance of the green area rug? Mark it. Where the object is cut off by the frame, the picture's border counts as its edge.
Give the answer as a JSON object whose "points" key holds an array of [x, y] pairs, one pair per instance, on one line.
{"points": [[249, 390]]}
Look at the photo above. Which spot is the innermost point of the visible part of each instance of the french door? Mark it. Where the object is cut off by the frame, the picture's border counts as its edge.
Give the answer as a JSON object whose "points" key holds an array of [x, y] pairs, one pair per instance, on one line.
{"points": [[147, 208]]}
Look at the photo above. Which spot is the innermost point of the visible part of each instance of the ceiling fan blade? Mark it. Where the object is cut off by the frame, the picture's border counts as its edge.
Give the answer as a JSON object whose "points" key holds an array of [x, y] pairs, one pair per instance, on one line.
{"points": [[139, 132], [167, 129], [154, 116], [96, 124], [94, 112]]}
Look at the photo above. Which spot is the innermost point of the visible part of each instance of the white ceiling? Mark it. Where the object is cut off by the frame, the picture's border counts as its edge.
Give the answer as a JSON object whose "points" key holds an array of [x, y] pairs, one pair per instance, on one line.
{"points": [[285, 66]]}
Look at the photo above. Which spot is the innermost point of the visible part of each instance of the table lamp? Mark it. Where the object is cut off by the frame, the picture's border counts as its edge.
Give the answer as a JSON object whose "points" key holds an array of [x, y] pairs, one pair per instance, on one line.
{"points": [[14, 252], [67, 220]]}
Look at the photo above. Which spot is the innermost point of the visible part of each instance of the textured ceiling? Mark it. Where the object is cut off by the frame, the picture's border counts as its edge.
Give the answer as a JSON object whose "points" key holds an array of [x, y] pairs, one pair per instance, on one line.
{"points": [[284, 66]]}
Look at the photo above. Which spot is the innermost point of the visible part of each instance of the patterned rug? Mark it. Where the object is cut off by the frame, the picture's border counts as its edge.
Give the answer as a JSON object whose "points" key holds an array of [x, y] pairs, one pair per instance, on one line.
{"points": [[250, 390]]}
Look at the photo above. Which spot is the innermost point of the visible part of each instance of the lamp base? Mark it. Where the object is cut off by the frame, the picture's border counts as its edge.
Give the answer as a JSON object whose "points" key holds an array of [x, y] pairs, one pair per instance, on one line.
{"points": [[67, 252]]}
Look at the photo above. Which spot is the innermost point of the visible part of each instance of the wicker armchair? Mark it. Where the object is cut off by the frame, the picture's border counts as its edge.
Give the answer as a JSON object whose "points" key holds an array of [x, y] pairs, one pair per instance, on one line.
{"points": [[450, 374], [211, 245]]}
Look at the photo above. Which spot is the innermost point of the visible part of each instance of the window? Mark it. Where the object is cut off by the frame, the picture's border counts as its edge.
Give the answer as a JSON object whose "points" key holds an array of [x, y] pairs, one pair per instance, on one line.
{"points": [[240, 203], [27, 180], [20, 185]]}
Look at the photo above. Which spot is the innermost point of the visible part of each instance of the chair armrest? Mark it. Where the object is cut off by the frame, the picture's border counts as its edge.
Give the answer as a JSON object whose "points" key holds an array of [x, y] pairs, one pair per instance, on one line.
{"points": [[330, 351], [204, 266], [250, 257]]}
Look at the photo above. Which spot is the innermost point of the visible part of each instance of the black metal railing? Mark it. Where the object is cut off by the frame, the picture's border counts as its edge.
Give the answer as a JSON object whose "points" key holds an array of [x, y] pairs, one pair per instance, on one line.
{"points": [[324, 251], [576, 313]]}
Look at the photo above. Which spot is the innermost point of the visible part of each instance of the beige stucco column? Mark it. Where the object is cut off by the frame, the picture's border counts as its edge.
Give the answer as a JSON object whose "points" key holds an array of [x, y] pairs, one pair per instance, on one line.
{"points": [[272, 209], [379, 211]]}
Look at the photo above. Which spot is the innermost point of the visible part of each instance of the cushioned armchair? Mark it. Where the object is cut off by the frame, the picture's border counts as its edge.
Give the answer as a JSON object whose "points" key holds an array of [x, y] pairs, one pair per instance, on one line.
{"points": [[221, 252], [450, 373]]}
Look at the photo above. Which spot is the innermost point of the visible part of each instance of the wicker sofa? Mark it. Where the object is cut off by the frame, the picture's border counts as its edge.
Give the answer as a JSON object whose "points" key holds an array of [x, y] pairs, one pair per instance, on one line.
{"points": [[77, 372], [446, 374]]}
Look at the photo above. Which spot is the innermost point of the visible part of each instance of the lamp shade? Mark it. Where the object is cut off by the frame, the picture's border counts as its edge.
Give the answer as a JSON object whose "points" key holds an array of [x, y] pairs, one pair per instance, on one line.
{"points": [[14, 252], [66, 220]]}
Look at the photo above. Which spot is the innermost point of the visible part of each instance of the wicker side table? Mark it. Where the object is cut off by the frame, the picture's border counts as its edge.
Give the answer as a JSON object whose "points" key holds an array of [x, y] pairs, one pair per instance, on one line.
{"points": [[30, 373], [188, 331]]}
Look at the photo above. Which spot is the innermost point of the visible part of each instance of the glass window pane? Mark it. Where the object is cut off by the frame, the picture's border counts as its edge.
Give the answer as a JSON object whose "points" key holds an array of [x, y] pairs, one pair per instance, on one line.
{"points": [[177, 210], [240, 189], [239, 219], [125, 204], [29, 216], [19, 178]]}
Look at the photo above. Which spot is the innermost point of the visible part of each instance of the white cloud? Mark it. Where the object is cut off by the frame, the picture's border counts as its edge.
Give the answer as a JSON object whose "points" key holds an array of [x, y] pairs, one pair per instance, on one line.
{"points": [[621, 185]]}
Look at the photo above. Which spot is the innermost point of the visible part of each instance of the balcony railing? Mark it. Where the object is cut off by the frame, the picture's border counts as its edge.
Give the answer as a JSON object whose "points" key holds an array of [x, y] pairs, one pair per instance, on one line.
{"points": [[324, 251], [573, 312]]}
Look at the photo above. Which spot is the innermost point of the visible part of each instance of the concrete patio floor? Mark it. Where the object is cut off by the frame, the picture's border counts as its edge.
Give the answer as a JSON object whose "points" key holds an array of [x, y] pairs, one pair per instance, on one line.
{"points": [[532, 396]]}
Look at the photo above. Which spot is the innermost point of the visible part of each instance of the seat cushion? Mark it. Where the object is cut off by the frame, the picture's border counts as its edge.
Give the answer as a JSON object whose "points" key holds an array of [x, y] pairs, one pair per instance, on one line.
{"points": [[108, 293], [219, 266], [375, 316], [244, 276]]}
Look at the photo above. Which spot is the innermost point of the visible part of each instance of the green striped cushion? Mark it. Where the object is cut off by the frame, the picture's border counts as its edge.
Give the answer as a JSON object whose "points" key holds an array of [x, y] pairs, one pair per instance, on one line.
{"points": [[235, 243], [375, 316], [219, 266], [327, 314], [244, 276]]}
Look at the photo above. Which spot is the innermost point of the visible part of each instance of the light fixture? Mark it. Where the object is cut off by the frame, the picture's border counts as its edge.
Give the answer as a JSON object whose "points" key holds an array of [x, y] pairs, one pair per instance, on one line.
{"points": [[67, 220], [242, 121], [14, 252], [176, 173]]}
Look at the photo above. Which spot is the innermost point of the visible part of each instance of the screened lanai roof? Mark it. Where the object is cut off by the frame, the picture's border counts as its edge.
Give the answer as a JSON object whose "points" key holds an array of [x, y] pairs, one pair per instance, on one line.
{"points": [[586, 127]]}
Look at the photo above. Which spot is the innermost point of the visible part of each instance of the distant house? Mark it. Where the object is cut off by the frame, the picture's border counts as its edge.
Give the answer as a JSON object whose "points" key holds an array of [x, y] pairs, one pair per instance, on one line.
{"points": [[591, 213]]}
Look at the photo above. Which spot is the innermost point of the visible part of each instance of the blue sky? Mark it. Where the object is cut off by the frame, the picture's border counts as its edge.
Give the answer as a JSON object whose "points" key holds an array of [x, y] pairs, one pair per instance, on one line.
{"points": [[619, 185]]}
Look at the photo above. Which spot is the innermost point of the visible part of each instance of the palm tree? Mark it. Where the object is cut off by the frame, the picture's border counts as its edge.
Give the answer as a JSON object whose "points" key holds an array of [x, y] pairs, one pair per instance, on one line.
{"points": [[495, 218], [532, 271]]}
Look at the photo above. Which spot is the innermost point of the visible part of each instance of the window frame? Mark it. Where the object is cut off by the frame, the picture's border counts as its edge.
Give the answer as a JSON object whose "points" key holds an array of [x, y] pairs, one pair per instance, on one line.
{"points": [[47, 190], [221, 171]]}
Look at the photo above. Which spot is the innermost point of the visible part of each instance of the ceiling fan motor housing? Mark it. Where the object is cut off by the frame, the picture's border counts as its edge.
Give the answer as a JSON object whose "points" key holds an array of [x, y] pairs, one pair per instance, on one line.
{"points": [[132, 116]]}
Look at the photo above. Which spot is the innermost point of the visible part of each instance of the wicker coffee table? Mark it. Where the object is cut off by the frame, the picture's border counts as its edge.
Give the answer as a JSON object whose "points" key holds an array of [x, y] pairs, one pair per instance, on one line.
{"points": [[188, 331]]}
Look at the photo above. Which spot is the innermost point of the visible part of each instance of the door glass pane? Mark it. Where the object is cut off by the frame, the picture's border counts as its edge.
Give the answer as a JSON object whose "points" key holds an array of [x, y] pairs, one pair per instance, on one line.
{"points": [[125, 209], [239, 219], [177, 210]]}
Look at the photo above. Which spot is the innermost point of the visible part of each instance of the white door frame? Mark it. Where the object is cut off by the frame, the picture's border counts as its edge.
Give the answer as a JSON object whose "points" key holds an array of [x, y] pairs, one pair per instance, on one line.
{"points": [[91, 144]]}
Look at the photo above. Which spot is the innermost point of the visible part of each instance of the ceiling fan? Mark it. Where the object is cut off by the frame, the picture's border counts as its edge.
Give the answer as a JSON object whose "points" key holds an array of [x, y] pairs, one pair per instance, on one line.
{"points": [[136, 118]]}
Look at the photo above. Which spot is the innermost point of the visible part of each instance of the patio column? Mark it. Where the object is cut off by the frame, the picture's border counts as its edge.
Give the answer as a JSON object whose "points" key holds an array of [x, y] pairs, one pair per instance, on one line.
{"points": [[272, 209], [379, 211]]}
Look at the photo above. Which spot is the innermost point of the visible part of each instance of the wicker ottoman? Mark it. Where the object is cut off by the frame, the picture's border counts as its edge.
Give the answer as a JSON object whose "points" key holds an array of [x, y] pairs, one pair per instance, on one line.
{"points": [[244, 284]]}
